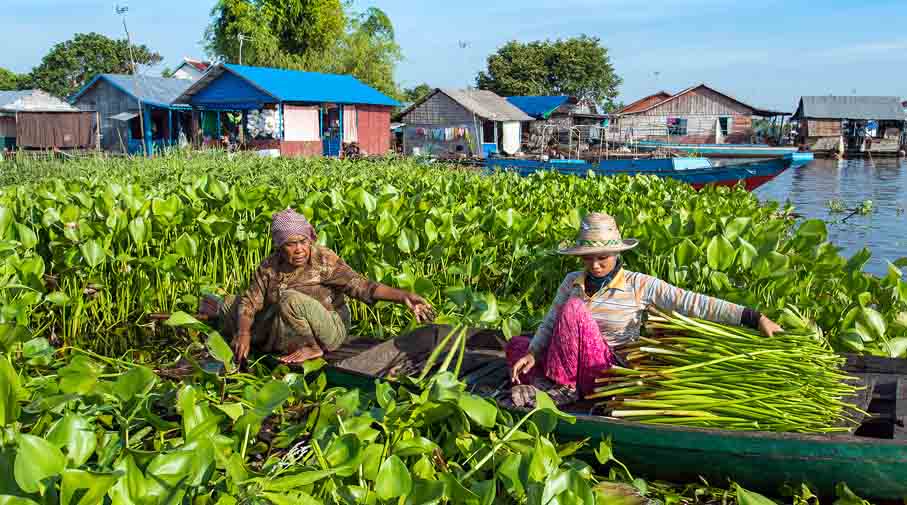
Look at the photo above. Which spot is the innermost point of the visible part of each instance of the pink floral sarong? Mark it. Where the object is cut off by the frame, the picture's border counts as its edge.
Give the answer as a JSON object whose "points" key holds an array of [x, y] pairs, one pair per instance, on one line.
{"points": [[576, 354]]}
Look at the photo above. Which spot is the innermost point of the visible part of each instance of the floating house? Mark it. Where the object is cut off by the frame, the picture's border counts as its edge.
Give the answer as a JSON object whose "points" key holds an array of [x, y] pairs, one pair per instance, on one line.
{"points": [[33, 119], [455, 123], [190, 69], [561, 120], [697, 115], [137, 114], [851, 124], [290, 112]]}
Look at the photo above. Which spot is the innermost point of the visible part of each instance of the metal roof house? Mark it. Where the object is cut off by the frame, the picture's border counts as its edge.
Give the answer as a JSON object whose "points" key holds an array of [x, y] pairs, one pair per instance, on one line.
{"points": [[120, 99], [699, 114], [34, 119], [452, 122], [560, 120], [829, 123], [295, 112]]}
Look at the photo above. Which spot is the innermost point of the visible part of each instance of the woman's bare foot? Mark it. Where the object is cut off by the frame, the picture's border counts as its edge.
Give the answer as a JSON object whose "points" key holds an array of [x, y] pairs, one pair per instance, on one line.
{"points": [[305, 353]]}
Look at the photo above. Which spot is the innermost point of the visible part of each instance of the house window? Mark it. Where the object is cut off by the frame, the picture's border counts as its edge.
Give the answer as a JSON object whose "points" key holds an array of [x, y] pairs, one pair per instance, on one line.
{"points": [[725, 124], [488, 132], [677, 126]]}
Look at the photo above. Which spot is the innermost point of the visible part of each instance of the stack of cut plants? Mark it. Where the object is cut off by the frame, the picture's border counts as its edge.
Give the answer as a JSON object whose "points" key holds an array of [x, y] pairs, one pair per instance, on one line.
{"points": [[697, 373]]}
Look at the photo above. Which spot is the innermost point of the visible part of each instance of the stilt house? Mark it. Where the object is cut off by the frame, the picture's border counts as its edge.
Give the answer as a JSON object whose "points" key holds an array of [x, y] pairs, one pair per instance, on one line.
{"points": [[33, 119]]}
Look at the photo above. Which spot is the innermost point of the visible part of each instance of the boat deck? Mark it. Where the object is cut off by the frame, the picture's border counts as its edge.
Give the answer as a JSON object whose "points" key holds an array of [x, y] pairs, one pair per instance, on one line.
{"points": [[485, 372]]}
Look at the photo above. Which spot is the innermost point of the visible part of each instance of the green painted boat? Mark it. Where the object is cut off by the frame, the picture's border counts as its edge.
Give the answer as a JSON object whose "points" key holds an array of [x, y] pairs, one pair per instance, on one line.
{"points": [[873, 467]]}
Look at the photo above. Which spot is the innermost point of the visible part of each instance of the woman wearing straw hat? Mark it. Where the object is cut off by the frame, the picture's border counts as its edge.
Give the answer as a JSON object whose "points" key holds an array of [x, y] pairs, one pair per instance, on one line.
{"points": [[601, 308], [295, 305]]}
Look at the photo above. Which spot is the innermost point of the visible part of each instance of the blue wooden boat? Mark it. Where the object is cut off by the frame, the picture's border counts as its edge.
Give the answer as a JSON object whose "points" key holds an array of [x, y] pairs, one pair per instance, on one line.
{"points": [[718, 150], [695, 171]]}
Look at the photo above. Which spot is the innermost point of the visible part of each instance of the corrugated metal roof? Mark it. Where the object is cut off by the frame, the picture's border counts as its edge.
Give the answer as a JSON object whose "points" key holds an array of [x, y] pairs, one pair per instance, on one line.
{"points": [[157, 91], [486, 104], [539, 107], [297, 86], [851, 107], [32, 100]]}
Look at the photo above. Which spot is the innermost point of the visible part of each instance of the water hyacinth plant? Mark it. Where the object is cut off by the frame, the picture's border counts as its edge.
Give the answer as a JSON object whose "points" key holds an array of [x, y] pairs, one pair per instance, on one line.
{"points": [[91, 247]]}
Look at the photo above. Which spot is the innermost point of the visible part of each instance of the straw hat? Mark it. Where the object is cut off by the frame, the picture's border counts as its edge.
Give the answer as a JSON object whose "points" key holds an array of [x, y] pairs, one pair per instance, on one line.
{"points": [[598, 234]]}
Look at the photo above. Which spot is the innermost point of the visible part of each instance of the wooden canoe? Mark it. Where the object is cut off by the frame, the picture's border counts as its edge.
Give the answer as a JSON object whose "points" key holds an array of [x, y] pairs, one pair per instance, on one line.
{"points": [[872, 467]]}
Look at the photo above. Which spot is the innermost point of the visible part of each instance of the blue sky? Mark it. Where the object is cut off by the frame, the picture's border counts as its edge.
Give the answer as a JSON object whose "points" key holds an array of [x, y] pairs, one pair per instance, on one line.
{"points": [[767, 52]]}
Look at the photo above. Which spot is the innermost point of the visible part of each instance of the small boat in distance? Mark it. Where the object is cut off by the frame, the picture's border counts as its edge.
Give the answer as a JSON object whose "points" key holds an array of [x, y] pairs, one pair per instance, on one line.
{"points": [[717, 150], [697, 172]]}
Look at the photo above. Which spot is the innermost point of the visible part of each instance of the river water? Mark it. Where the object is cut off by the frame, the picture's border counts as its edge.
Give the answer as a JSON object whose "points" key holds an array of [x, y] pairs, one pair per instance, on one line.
{"points": [[884, 181]]}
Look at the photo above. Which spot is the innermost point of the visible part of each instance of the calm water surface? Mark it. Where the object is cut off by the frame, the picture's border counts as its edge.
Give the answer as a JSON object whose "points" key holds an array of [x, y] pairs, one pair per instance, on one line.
{"points": [[884, 181]]}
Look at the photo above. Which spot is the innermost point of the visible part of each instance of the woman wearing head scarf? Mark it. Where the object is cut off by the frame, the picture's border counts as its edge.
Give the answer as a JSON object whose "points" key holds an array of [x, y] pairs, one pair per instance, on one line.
{"points": [[599, 309], [295, 304]]}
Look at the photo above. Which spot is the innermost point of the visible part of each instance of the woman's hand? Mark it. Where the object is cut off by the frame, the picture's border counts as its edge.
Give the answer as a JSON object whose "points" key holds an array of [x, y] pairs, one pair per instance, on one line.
{"points": [[423, 311], [524, 365], [769, 327], [240, 346]]}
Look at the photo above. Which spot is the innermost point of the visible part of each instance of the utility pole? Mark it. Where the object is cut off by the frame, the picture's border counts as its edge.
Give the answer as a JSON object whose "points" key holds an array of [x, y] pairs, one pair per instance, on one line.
{"points": [[463, 45], [122, 12]]}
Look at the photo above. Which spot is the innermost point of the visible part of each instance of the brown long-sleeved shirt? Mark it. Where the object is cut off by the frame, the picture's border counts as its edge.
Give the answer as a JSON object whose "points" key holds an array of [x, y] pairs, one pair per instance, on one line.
{"points": [[325, 277]]}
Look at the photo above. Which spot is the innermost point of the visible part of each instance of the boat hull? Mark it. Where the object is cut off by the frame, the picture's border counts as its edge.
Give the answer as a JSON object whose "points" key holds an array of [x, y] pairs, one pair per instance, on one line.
{"points": [[761, 461], [698, 172], [719, 150]]}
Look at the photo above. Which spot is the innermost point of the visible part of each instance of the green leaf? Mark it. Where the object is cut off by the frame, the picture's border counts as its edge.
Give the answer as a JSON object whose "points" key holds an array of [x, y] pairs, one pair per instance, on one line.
{"points": [[431, 231], [511, 477], [414, 446], [76, 434], [220, 351], [897, 347], [27, 236], [292, 498], [393, 479], [544, 403], [746, 253], [93, 253], [233, 410], [408, 241], [736, 227], [136, 382], [720, 253], [15, 500], [58, 298], [685, 253], [425, 492], [852, 341], [79, 376], [9, 392], [186, 246], [297, 480], [344, 453], [745, 497], [478, 409], [95, 485], [6, 218], [859, 260], [138, 231], [814, 229], [874, 321], [846, 496], [36, 460], [619, 493]]}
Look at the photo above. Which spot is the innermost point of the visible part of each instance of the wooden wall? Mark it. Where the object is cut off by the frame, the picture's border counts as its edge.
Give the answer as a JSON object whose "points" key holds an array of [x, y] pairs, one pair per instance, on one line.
{"points": [[440, 110], [8, 126], [304, 148], [701, 108], [109, 101], [374, 128], [820, 128]]}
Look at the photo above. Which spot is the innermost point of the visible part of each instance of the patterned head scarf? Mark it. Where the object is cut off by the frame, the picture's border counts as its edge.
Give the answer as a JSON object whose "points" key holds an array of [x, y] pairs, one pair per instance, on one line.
{"points": [[289, 223]]}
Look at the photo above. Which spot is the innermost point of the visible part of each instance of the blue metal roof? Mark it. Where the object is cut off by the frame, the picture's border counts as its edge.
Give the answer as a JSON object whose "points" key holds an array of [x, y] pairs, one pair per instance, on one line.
{"points": [[539, 107], [284, 86], [156, 91]]}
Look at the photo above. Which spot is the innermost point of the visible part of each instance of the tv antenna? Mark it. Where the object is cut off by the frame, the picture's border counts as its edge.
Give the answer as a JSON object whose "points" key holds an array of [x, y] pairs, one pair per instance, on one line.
{"points": [[241, 37]]}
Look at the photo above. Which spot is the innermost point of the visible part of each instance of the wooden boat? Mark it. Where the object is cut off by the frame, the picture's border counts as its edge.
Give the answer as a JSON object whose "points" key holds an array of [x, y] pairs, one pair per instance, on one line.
{"points": [[698, 172], [718, 150], [872, 467]]}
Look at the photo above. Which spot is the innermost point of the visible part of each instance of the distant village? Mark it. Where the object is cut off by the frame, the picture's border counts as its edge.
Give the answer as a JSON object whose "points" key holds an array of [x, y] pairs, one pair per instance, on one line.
{"points": [[278, 112]]}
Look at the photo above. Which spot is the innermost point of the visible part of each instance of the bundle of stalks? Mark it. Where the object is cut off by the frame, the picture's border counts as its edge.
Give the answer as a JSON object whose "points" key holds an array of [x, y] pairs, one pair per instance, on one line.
{"points": [[704, 374]]}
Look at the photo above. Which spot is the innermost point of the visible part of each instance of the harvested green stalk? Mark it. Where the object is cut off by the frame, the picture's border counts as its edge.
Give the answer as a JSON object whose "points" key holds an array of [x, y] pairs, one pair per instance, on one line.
{"points": [[698, 373]]}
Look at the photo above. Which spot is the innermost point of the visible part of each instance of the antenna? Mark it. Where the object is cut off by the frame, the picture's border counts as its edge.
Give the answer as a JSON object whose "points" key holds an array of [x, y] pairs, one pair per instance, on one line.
{"points": [[463, 44], [241, 37]]}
